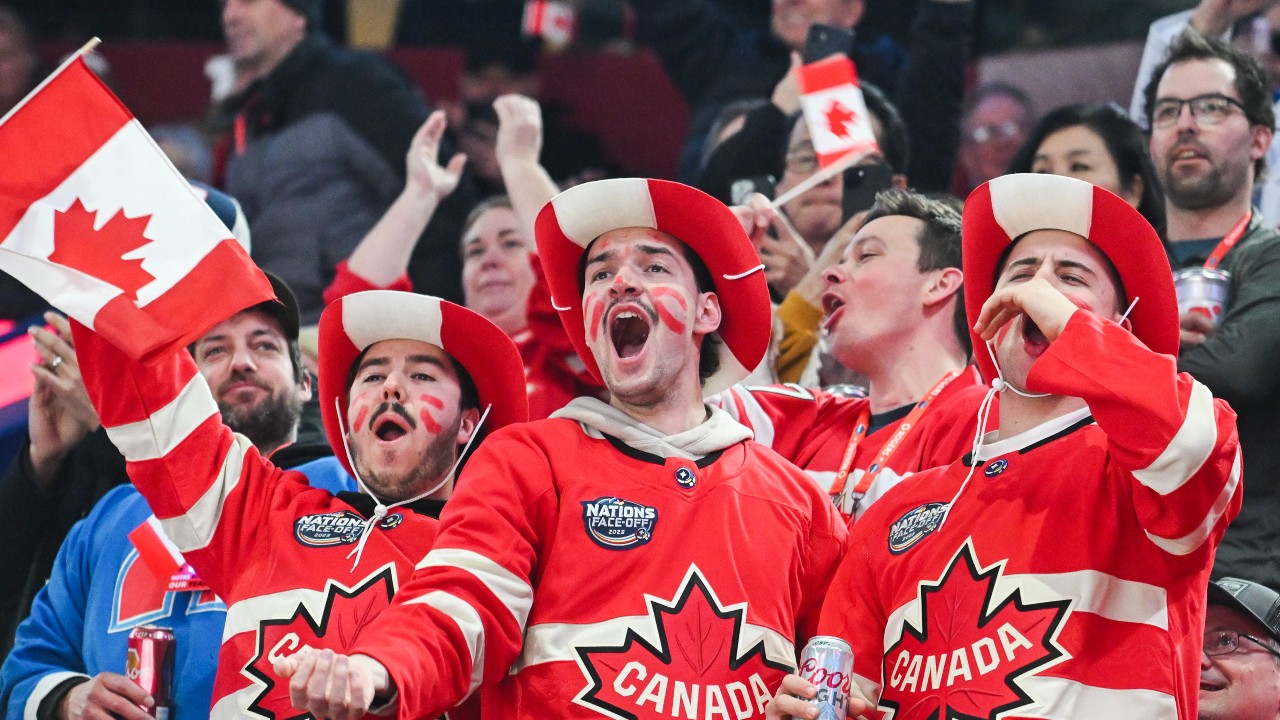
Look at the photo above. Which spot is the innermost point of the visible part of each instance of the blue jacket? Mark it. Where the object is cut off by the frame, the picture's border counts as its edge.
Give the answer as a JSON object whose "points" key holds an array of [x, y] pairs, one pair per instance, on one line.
{"points": [[98, 591]]}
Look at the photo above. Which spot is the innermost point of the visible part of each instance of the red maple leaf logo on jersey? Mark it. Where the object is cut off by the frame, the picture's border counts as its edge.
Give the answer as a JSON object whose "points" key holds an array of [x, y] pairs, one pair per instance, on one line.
{"points": [[838, 119], [694, 671], [965, 661], [100, 252], [346, 613]]}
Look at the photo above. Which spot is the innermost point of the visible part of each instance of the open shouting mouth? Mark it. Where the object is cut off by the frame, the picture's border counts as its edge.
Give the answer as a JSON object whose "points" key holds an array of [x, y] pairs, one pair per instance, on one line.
{"points": [[391, 422], [629, 327]]}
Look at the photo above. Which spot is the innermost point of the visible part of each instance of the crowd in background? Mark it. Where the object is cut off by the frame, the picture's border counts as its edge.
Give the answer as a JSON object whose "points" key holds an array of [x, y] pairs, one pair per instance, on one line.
{"points": [[343, 177]]}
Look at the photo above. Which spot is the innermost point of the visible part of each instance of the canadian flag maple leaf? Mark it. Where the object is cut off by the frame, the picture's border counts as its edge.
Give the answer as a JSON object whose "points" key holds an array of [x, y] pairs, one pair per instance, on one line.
{"points": [[966, 659], [100, 252], [838, 119], [346, 612], [694, 671]]}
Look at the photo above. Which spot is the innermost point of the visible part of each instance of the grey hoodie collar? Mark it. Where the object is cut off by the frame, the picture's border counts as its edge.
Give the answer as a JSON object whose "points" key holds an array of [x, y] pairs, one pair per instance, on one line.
{"points": [[598, 419]]}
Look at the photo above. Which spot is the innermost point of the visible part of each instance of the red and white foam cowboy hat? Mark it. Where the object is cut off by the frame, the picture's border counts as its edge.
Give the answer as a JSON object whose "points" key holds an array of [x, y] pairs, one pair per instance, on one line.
{"points": [[356, 321], [576, 217], [1004, 209]]}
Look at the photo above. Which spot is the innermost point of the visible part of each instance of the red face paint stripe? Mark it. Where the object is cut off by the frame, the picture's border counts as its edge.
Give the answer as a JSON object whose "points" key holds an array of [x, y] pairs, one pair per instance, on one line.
{"points": [[429, 422], [432, 401], [597, 312], [669, 319], [361, 415], [671, 293]]}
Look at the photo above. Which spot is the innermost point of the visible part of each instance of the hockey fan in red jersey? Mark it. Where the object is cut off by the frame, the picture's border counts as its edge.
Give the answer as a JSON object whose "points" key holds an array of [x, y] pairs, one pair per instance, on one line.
{"points": [[1058, 571], [895, 313], [641, 558], [404, 382]]}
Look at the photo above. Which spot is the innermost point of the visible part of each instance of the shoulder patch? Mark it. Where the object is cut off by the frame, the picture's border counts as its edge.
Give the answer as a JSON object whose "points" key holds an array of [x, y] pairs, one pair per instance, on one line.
{"points": [[914, 526], [617, 524]]}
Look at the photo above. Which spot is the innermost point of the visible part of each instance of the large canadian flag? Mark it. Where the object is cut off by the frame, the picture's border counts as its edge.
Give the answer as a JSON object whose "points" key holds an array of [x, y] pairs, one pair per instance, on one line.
{"points": [[834, 110], [96, 220]]}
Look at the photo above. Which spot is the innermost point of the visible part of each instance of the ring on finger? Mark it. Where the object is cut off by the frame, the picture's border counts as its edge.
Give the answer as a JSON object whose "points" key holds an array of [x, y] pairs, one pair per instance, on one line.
{"points": [[57, 360]]}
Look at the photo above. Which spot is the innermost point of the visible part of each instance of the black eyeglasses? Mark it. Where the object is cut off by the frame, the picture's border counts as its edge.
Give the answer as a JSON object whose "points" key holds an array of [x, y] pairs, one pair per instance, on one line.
{"points": [[1206, 109], [1225, 642]]}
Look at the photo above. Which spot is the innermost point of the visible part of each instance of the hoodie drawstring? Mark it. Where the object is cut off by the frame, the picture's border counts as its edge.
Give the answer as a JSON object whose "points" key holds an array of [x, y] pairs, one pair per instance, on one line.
{"points": [[380, 510]]}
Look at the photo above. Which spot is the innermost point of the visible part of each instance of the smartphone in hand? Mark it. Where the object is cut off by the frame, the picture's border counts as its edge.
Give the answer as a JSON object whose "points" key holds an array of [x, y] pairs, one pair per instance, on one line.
{"points": [[825, 41]]}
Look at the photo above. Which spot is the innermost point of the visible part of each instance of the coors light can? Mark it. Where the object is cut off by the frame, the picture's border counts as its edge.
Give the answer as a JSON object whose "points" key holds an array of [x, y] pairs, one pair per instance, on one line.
{"points": [[827, 662], [150, 665]]}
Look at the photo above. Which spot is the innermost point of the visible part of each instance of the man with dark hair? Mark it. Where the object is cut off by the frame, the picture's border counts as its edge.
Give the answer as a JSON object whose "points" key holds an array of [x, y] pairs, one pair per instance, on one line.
{"points": [[1211, 121], [582, 569], [69, 657], [1240, 659], [895, 313], [299, 566], [1028, 578], [314, 149]]}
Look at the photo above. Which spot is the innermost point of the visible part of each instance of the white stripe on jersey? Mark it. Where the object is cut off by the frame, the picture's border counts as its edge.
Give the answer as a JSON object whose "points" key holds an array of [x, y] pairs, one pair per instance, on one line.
{"points": [[193, 530], [42, 688], [1072, 700], [469, 623], [1190, 447], [1090, 591], [556, 642], [514, 593], [159, 434], [1194, 539]]}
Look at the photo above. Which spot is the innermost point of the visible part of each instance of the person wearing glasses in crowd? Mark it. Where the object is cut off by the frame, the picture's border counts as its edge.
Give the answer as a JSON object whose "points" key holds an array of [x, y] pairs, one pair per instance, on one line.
{"points": [[1211, 119], [1240, 663]]}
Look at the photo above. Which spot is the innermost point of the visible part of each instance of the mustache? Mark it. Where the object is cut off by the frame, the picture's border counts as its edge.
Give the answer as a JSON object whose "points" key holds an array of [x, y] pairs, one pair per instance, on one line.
{"points": [[396, 408], [240, 377], [648, 309]]}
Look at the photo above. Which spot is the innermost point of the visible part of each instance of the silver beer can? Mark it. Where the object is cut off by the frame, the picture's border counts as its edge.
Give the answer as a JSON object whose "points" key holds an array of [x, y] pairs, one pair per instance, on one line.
{"points": [[827, 663], [1202, 291]]}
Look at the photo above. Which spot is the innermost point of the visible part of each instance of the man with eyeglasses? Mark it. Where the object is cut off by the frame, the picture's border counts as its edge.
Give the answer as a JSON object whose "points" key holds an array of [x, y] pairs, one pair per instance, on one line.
{"points": [[1211, 118], [1240, 665]]}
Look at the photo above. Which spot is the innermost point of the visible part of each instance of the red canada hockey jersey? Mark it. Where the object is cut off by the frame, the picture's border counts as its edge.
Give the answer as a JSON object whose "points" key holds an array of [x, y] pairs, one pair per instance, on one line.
{"points": [[273, 548], [811, 428], [584, 578], [1068, 580]]}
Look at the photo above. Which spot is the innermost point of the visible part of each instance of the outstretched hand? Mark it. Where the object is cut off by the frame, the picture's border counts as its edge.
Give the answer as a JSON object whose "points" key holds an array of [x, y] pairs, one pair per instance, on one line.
{"points": [[519, 129], [60, 414], [422, 162], [333, 686]]}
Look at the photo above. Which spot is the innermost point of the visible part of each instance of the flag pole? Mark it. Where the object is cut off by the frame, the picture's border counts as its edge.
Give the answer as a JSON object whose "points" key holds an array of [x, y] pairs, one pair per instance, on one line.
{"points": [[86, 48], [816, 179]]}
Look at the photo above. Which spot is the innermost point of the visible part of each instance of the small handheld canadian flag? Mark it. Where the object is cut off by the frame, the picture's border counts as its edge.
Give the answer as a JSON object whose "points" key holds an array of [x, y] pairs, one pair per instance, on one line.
{"points": [[834, 110], [95, 219], [551, 20]]}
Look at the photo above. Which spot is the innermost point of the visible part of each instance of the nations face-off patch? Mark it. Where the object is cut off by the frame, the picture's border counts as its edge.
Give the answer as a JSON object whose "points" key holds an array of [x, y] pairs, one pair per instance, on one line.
{"points": [[617, 524], [342, 527], [912, 527]]}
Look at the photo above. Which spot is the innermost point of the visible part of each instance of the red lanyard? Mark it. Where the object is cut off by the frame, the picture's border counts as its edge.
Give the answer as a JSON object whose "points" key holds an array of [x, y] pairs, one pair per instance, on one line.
{"points": [[1228, 241], [886, 452]]}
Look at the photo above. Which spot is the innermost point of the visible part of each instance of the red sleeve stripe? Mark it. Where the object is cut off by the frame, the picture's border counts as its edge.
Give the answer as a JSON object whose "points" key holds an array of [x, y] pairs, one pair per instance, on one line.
{"points": [[1191, 541], [156, 436], [468, 621], [514, 593], [193, 530], [1190, 447]]}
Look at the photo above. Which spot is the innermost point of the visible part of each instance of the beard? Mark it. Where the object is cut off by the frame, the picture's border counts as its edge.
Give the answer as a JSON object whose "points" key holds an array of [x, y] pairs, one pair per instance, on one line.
{"points": [[1213, 189], [268, 423], [402, 483]]}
